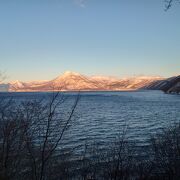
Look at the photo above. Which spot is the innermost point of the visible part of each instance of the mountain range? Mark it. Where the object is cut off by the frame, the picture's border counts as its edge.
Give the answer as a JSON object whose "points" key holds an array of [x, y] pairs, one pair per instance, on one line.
{"points": [[72, 81]]}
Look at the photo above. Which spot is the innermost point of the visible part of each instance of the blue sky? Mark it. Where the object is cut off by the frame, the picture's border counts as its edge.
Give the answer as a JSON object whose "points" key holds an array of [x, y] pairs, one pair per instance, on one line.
{"points": [[40, 39]]}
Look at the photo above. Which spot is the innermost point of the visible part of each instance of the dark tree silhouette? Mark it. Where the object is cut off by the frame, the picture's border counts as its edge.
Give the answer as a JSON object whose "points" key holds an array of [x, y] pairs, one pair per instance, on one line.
{"points": [[169, 3]]}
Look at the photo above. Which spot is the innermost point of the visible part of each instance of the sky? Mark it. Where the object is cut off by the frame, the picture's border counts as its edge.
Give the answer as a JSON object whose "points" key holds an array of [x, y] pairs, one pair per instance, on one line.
{"points": [[41, 39]]}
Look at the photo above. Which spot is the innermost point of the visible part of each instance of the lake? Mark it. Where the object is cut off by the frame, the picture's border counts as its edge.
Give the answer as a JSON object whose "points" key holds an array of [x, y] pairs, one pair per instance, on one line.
{"points": [[101, 116]]}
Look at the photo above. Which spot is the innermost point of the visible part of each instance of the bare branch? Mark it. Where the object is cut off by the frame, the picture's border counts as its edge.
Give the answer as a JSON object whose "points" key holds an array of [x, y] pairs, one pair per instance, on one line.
{"points": [[169, 3]]}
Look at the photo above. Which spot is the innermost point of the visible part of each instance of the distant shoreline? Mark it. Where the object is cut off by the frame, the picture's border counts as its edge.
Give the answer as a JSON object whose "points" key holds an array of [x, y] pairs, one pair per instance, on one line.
{"points": [[81, 91]]}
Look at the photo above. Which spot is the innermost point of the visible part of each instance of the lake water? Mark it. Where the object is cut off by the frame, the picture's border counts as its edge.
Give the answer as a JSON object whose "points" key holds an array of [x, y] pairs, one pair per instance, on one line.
{"points": [[101, 116]]}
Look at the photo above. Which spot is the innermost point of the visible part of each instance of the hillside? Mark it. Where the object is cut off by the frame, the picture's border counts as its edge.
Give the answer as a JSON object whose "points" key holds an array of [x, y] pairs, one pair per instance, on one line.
{"points": [[170, 85]]}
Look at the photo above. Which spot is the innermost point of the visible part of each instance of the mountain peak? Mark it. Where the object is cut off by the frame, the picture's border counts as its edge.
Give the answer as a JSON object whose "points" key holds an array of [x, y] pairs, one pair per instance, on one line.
{"points": [[69, 73], [16, 82]]}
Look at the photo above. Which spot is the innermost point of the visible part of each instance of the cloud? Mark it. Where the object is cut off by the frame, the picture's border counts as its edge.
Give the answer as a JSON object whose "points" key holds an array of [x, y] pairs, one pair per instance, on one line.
{"points": [[80, 3]]}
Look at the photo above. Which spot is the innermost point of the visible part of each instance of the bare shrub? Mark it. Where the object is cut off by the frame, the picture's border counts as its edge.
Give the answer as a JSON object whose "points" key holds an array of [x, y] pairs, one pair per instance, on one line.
{"points": [[30, 135], [166, 153]]}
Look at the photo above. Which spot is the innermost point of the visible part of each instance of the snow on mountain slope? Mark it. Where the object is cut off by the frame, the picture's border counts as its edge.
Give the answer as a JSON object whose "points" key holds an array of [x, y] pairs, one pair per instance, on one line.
{"points": [[15, 85], [75, 81]]}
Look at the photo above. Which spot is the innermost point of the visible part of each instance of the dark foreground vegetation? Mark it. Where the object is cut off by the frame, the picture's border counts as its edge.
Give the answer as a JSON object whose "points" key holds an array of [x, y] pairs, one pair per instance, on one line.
{"points": [[31, 133]]}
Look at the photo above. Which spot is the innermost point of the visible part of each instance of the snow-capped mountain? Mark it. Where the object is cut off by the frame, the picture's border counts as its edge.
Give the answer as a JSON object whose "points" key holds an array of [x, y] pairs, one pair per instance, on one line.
{"points": [[72, 81], [75, 81]]}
